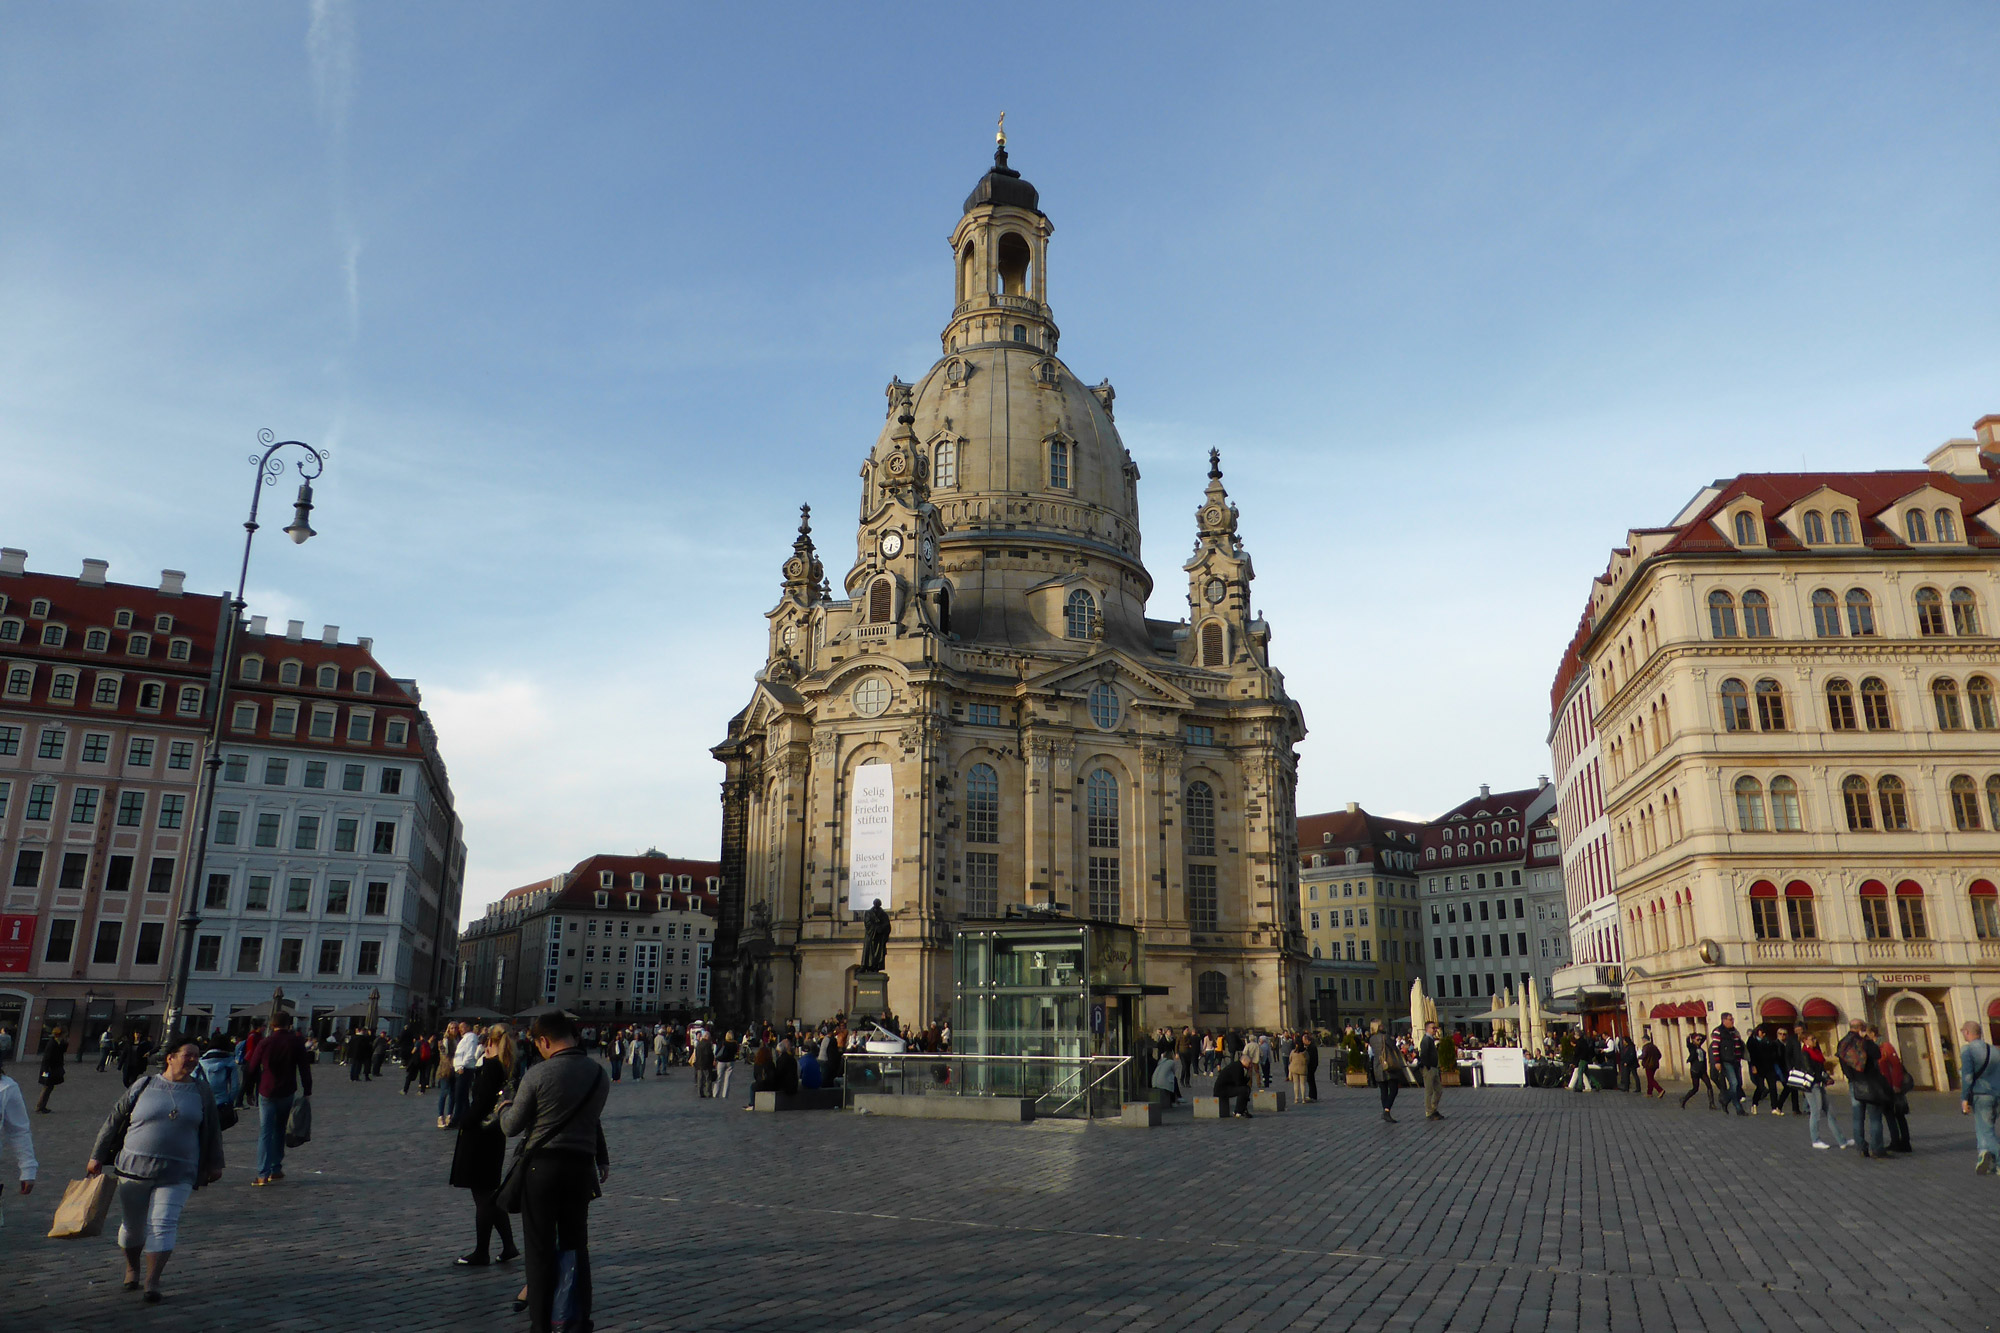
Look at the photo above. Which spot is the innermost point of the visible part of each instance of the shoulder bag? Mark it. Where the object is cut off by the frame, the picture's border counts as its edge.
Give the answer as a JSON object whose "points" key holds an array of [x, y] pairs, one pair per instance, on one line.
{"points": [[508, 1196]]}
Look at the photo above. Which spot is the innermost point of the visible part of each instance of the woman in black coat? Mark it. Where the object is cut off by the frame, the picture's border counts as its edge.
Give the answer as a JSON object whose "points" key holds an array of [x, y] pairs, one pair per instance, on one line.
{"points": [[479, 1156], [52, 1066]]}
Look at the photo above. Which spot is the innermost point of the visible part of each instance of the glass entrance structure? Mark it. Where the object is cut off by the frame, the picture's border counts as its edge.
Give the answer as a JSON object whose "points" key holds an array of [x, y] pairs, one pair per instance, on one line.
{"points": [[1059, 1002]]}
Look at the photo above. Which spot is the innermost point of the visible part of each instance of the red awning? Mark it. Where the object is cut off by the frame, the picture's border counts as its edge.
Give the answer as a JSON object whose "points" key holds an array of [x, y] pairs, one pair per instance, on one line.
{"points": [[1798, 888], [1694, 1009], [1874, 888], [1776, 1008], [1993, 1009], [1909, 888], [1821, 1009], [1982, 888], [1662, 1011], [1763, 888]]}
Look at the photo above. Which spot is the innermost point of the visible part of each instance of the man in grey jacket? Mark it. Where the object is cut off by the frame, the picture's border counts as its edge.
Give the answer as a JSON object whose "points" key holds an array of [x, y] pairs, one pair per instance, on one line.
{"points": [[1979, 1095], [558, 1107]]}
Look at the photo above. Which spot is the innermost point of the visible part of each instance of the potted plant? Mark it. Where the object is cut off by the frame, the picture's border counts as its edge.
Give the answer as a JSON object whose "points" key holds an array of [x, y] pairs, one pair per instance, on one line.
{"points": [[1357, 1061]]}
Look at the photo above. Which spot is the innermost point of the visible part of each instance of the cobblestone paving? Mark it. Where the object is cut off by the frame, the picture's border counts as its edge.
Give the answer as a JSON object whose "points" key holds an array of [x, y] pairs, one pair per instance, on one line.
{"points": [[1524, 1209]]}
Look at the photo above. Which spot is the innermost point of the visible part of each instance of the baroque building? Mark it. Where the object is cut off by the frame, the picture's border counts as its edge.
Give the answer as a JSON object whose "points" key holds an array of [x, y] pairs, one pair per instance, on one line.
{"points": [[1795, 700], [1358, 896], [985, 720]]}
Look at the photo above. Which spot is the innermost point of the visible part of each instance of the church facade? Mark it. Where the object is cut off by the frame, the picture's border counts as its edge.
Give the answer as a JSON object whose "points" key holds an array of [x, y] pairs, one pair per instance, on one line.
{"points": [[985, 721]]}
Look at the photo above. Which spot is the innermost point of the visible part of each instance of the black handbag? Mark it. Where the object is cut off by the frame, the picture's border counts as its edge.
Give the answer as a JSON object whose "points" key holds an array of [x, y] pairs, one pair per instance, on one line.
{"points": [[515, 1183]]}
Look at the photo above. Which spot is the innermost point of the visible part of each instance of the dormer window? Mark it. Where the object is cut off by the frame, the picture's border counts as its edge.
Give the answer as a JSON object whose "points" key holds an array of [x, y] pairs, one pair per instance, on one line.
{"points": [[1080, 615], [39, 608], [163, 624], [179, 650], [1843, 527], [397, 732], [122, 620], [944, 467], [288, 674], [10, 631], [1947, 526], [1746, 528], [53, 636], [252, 668], [364, 682], [1914, 526], [605, 878], [632, 901], [603, 900], [1815, 528], [139, 645], [1059, 465], [96, 641]]}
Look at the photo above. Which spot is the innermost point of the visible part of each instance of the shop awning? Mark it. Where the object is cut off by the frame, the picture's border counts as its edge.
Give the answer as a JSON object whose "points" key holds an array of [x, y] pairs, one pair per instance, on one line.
{"points": [[1694, 1009], [1664, 1011], [1822, 1011], [1781, 1010], [141, 1007]]}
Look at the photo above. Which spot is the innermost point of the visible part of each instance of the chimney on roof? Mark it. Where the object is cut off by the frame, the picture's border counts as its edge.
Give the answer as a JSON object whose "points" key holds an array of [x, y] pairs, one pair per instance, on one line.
{"points": [[365, 645], [257, 624], [1484, 791], [93, 572], [330, 635], [1542, 782], [13, 560], [1987, 431], [1956, 458], [1354, 807], [173, 582], [295, 630]]}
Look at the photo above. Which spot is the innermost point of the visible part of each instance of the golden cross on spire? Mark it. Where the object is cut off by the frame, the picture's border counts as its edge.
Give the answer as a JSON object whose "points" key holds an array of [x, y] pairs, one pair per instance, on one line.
{"points": [[1001, 137]]}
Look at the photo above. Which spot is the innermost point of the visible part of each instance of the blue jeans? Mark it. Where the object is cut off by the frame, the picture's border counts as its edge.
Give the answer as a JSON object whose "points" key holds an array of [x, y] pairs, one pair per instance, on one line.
{"points": [[447, 1096], [638, 1067], [271, 1114], [1985, 1133], [1732, 1085], [1872, 1117], [1819, 1107]]}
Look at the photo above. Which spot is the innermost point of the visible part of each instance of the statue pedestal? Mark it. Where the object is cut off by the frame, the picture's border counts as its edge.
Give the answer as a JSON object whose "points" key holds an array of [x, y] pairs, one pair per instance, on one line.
{"points": [[871, 996]]}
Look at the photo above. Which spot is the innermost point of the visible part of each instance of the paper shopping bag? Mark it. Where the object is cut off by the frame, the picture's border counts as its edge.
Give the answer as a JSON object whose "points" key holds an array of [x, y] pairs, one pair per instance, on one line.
{"points": [[85, 1204]]}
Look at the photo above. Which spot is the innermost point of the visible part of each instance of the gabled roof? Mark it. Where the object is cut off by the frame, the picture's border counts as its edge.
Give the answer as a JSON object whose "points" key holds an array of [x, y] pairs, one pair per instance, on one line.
{"points": [[582, 883], [1874, 492], [1358, 829]]}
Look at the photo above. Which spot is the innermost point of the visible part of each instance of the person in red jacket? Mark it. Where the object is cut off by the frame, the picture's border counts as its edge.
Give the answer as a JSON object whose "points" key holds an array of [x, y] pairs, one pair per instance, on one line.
{"points": [[279, 1069], [1897, 1113]]}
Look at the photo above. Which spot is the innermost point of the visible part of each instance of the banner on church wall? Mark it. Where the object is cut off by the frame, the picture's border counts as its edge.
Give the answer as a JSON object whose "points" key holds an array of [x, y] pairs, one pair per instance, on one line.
{"points": [[871, 838]]}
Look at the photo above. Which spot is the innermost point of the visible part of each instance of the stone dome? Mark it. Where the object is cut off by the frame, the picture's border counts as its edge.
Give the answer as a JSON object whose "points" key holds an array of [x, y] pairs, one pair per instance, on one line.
{"points": [[1003, 185]]}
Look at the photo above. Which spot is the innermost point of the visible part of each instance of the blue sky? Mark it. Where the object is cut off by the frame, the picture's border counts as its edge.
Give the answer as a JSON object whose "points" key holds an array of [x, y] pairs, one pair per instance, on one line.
{"points": [[587, 299]]}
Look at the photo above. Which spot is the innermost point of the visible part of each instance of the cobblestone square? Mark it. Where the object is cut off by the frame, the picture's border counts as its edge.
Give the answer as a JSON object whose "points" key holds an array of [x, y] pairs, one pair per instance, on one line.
{"points": [[1523, 1209]]}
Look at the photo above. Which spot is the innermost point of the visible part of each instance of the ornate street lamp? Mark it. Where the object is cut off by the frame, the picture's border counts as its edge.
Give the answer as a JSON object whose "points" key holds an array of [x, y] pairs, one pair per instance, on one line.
{"points": [[1870, 988], [269, 468]]}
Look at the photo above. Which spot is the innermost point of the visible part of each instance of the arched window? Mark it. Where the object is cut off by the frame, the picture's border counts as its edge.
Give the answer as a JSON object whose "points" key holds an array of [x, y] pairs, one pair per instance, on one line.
{"points": [[1746, 528], [1964, 612], [288, 674], [1826, 614], [1895, 809], [1875, 911], [1770, 705], [1764, 910], [1102, 702], [1735, 706], [1947, 526], [1199, 813], [253, 668], [1875, 713], [1785, 805], [1979, 702], [1721, 615], [982, 804], [1756, 615], [1944, 700], [1930, 612], [1101, 808], [944, 469], [1815, 527], [1914, 526], [1080, 614], [1059, 464], [1014, 259], [1211, 644], [1860, 809], [881, 602], [1985, 909], [1860, 613], [1840, 705], [1749, 805], [1965, 803], [1211, 993], [965, 288], [1910, 910], [1843, 526], [1020, 333], [1799, 910]]}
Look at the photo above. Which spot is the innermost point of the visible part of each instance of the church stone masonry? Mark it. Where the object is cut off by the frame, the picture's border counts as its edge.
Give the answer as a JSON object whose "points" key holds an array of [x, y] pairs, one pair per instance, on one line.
{"points": [[1047, 743]]}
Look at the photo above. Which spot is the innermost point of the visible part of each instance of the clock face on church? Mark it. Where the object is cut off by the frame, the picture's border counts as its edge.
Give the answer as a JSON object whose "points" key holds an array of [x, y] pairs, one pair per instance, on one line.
{"points": [[1214, 591], [892, 544]]}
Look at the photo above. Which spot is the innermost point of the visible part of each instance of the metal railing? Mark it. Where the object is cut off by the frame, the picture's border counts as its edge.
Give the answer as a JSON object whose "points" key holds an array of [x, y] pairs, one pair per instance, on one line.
{"points": [[1063, 1087]]}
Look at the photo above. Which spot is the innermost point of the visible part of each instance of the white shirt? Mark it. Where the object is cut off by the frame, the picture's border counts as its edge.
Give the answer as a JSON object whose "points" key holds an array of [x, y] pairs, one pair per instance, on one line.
{"points": [[466, 1054], [14, 1127]]}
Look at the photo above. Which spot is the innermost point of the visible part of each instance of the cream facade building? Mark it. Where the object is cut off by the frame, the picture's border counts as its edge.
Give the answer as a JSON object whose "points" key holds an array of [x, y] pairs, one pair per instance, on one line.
{"points": [[985, 719], [1801, 752], [1358, 897]]}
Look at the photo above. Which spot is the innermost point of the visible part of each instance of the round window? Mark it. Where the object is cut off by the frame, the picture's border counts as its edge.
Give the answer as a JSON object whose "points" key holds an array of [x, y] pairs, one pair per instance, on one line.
{"points": [[871, 696], [1104, 705]]}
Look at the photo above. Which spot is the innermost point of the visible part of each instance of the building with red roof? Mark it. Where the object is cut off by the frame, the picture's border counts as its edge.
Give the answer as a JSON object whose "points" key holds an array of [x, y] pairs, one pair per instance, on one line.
{"points": [[1793, 690], [613, 937], [1359, 903]]}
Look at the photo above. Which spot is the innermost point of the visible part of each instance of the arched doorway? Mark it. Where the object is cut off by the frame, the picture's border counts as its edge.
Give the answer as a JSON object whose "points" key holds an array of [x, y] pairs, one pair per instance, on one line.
{"points": [[1912, 1026]]}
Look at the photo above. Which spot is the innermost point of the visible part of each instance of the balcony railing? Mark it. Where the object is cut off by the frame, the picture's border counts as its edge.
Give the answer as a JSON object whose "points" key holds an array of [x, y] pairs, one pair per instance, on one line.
{"points": [[1782, 951], [996, 301]]}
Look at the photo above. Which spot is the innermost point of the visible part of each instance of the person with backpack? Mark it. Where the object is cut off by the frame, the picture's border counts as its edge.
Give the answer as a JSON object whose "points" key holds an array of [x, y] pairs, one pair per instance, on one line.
{"points": [[1979, 1097], [280, 1069], [1725, 1063], [1867, 1090]]}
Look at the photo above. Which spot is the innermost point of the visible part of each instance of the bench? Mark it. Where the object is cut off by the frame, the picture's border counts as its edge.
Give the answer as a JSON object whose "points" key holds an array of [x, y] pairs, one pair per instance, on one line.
{"points": [[1271, 1099], [805, 1099], [1134, 1115]]}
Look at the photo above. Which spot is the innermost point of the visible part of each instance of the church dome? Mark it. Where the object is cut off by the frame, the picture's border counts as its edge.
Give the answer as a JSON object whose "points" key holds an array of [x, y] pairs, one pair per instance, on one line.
{"points": [[1003, 185]]}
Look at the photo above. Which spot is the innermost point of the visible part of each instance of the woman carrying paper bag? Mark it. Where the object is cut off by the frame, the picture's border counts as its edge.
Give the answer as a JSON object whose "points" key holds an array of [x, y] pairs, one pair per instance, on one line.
{"points": [[164, 1140]]}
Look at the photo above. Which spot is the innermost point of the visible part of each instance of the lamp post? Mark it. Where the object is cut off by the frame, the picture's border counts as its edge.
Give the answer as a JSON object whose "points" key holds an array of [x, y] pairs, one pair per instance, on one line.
{"points": [[1870, 988], [269, 468]]}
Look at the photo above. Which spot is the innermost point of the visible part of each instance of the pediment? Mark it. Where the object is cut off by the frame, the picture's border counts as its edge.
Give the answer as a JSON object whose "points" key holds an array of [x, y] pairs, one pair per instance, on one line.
{"points": [[771, 699], [1140, 680], [1825, 501]]}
